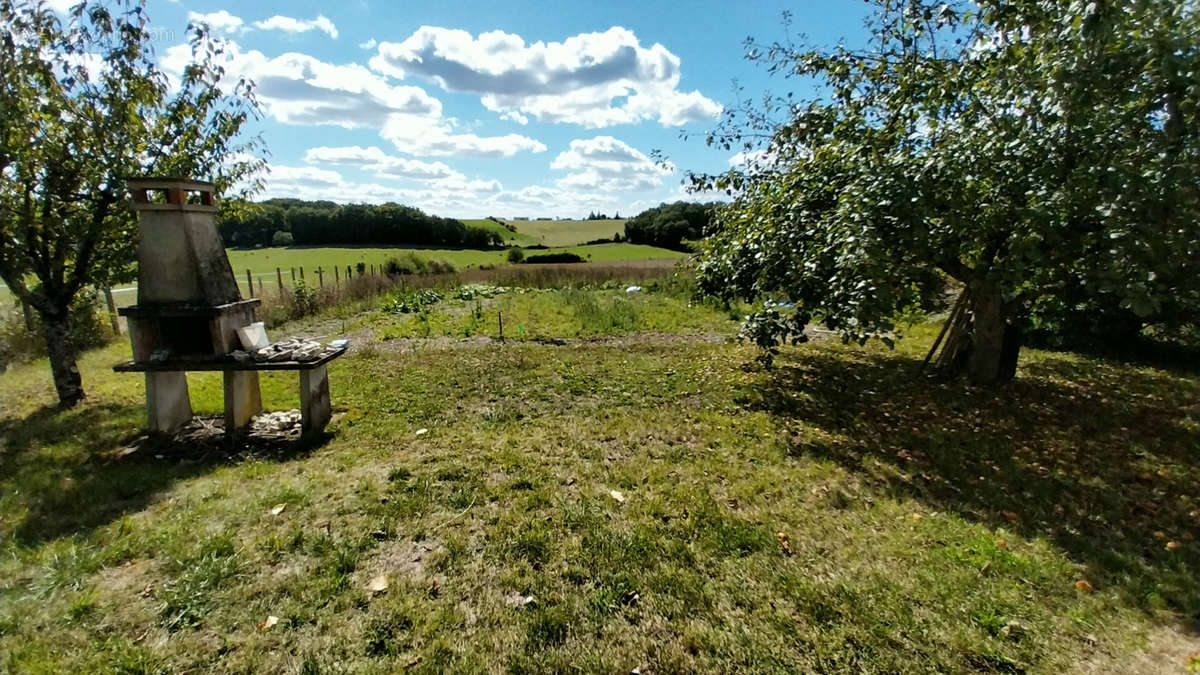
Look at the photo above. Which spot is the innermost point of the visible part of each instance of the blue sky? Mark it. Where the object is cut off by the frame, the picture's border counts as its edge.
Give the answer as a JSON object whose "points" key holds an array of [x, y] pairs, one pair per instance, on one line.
{"points": [[494, 108]]}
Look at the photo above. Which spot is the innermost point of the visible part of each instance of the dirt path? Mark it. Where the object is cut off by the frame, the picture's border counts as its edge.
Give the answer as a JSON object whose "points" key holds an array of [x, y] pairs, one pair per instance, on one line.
{"points": [[1169, 650]]}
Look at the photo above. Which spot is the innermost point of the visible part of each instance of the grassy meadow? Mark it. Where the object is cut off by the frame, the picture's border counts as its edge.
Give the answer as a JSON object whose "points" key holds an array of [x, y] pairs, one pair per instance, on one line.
{"points": [[617, 488], [554, 233]]}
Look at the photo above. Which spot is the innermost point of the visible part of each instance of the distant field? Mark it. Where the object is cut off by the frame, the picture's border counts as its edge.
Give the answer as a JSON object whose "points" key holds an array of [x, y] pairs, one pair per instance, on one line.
{"points": [[555, 232], [265, 260], [262, 261]]}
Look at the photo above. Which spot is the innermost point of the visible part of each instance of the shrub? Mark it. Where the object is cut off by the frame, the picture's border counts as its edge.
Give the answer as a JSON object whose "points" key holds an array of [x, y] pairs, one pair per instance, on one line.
{"points": [[553, 258], [411, 302], [88, 327], [515, 255], [282, 239], [408, 263], [441, 267]]}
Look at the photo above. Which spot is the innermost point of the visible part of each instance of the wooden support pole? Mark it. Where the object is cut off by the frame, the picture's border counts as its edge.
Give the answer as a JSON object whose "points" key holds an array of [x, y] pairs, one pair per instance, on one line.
{"points": [[301, 274], [293, 269], [347, 273], [249, 284], [320, 277], [279, 277], [336, 281], [112, 310], [500, 316]]}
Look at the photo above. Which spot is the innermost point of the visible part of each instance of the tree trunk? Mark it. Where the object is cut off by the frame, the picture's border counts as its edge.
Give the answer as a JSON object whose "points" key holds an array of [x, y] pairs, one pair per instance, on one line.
{"points": [[67, 382], [984, 342], [995, 343]]}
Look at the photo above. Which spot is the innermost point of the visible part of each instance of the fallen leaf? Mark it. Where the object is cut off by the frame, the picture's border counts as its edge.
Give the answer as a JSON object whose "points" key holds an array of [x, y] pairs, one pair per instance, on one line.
{"points": [[915, 517], [784, 543], [1083, 586], [1000, 543], [278, 509], [422, 432], [616, 494], [378, 584], [1160, 535], [1172, 545], [269, 623], [434, 588], [1010, 516]]}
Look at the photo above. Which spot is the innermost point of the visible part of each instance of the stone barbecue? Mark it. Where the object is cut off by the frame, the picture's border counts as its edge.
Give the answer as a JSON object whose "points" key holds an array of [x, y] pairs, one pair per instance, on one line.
{"points": [[189, 310]]}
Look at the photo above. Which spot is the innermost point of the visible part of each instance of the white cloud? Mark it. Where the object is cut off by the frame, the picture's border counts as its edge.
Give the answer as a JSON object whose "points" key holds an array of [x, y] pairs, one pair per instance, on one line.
{"points": [[591, 79], [369, 44], [219, 21], [288, 24], [300, 89], [456, 197], [424, 136], [606, 164], [376, 160]]}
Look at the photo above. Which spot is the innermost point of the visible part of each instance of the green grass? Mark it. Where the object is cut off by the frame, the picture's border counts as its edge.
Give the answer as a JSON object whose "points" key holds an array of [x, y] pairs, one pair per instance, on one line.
{"points": [[510, 237], [542, 314], [263, 261], [555, 233], [931, 527]]}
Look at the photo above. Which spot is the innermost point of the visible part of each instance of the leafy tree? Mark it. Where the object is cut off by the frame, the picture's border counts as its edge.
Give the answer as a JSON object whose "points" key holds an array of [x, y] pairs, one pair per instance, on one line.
{"points": [[669, 225], [325, 222], [1035, 152], [82, 109]]}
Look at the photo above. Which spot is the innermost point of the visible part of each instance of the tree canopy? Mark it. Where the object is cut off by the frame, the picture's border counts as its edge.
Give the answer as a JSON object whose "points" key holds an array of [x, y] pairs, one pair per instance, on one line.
{"points": [[315, 223], [1040, 154], [82, 109], [669, 225]]}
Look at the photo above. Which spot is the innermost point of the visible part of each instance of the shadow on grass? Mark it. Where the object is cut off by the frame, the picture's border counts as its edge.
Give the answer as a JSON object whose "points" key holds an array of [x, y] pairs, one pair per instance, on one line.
{"points": [[79, 469], [1100, 458]]}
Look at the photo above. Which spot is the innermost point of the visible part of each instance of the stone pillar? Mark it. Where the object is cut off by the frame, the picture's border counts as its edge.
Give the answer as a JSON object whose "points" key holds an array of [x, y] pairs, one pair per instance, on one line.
{"points": [[243, 399], [168, 406], [314, 399]]}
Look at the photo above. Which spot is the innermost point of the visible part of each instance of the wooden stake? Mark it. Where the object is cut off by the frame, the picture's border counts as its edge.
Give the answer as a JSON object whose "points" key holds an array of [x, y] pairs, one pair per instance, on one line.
{"points": [[249, 284], [279, 277], [112, 310], [293, 269], [320, 277], [336, 281], [500, 316]]}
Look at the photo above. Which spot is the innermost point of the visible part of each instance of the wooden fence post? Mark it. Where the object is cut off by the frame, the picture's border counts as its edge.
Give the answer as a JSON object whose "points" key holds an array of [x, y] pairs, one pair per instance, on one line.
{"points": [[293, 269], [347, 273], [250, 284], [301, 274], [336, 281], [320, 277], [500, 315], [279, 277], [112, 310]]}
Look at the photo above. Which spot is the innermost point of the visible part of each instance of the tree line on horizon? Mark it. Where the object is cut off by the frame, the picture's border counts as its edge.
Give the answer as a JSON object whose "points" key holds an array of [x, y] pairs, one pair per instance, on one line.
{"points": [[287, 222]]}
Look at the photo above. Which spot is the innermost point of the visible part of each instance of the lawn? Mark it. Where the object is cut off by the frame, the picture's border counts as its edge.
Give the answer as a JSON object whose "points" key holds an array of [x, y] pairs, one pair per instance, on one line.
{"points": [[555, 232], [262, 261], [635, 495]]}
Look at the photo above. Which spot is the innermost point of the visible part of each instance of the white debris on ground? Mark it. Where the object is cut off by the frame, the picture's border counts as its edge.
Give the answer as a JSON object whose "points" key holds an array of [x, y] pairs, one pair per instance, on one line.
{"points": [[292, 349], [633, 289], [275, 422]]}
